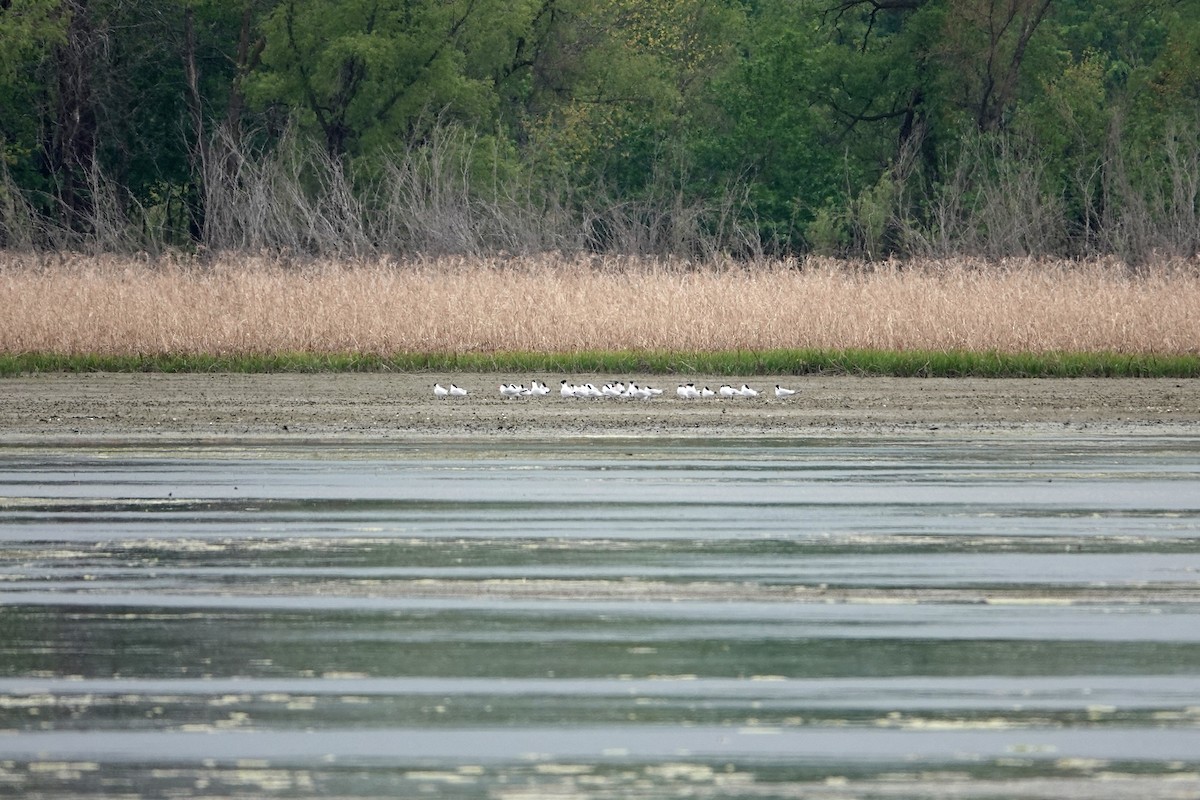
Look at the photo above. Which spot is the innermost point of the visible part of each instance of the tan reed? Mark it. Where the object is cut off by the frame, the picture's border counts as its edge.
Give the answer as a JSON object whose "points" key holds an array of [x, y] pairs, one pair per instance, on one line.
{"points": [[247, 305]]}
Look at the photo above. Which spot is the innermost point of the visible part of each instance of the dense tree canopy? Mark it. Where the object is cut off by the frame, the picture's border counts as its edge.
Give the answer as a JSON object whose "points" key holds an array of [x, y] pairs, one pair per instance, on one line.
{"points": [[866, 127]]}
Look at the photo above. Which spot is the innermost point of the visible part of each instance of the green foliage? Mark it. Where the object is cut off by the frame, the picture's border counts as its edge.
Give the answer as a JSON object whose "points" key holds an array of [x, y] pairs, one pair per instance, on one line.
{"points": [[29, 30], [909, 363], [777, 132], [829, 232], [835, 126], [360, 73]]}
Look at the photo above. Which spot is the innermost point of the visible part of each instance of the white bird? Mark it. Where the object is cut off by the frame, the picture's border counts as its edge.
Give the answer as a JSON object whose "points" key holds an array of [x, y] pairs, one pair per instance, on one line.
{"points": [[653, 391], [510, 390], [683, 391], [746, 391], [707, 392], [539, 389], [457, 391], [639, 392], [592, 391], [566, 389], [727, 391], [439, 390], [782, 392], [610, 390]]}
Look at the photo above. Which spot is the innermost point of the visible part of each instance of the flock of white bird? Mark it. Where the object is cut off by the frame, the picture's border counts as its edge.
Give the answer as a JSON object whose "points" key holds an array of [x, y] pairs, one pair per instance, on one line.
{"points": [[616, 390]]}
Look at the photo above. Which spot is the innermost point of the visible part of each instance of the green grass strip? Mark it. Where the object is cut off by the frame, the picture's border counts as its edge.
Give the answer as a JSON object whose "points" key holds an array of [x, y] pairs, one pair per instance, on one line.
{"points": [[950, 364]]}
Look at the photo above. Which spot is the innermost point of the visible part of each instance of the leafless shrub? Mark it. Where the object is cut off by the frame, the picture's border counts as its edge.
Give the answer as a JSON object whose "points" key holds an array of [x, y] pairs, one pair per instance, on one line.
{"points": [[452, 192], [435, 198], [107, 226], [111, 221], [20, 224], [444, 194], [1154, 213], [991, 203], [667, 222], [292, 197]]}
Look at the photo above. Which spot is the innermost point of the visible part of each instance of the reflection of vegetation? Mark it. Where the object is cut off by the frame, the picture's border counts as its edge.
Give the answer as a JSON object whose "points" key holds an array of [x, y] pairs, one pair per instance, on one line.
{"points": [[613, 703], [535, 644], [908, 127], [611, 776]]}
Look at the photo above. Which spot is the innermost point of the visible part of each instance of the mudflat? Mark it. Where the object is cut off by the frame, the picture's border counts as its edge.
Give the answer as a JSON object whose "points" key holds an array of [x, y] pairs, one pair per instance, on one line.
{"points": [[357, 406]]}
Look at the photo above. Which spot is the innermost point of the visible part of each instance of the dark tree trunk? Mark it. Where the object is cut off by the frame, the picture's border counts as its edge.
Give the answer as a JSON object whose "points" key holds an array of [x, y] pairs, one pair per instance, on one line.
{"points": [[72, 150]]}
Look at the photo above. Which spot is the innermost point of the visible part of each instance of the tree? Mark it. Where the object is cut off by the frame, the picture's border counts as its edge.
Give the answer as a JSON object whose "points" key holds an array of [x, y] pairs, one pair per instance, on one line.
{"points": [[29, 30], [363, 72], [985, 43]]}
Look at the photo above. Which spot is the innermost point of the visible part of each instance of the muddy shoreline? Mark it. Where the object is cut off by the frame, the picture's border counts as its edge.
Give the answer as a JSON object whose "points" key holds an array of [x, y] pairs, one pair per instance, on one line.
{"points": [[378, 406]]}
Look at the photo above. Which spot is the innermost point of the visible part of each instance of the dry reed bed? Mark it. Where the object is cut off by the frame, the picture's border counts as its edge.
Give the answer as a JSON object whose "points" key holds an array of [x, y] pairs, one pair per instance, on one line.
{"points": [[114, 306]]}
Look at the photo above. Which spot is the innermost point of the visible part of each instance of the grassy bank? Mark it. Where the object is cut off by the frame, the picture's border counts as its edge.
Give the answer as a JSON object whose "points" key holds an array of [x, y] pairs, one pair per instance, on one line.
{"points": [[769, 362], [599, 315]]}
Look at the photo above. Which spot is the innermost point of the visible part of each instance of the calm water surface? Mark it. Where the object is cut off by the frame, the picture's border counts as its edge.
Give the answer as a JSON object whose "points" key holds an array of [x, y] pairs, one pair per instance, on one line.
{"points": [[842, 617]]}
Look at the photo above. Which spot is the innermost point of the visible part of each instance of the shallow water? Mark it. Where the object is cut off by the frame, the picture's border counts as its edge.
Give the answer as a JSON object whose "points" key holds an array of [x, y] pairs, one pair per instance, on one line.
{"points": [[603, 618]]}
